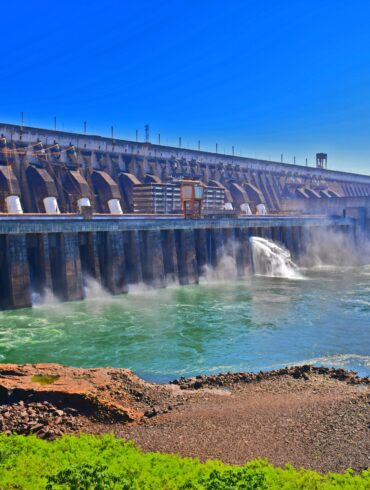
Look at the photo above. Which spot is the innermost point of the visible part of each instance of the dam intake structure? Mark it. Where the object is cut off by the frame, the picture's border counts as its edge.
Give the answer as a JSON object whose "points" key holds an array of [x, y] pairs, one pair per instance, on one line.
{"points": [[74, 207]]}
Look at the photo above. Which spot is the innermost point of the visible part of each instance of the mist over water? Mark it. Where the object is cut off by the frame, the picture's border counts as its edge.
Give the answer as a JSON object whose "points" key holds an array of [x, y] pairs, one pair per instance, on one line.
{"points": [[225, 271], [264, 321]]}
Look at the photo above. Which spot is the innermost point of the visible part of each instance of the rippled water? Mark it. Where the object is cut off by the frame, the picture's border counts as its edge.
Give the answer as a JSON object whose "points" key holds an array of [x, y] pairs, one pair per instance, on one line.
{"points": [[255, 323]]}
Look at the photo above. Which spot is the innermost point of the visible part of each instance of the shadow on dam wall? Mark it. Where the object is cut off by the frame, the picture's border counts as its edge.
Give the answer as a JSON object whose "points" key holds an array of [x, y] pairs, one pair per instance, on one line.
{"points": [[60, 262]]}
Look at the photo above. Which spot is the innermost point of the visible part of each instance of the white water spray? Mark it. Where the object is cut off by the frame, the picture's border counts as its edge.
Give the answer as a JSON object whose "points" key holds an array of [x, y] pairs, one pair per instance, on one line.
{"points": [[94, 290], [272, 260], [47, 298], [225, 271]]}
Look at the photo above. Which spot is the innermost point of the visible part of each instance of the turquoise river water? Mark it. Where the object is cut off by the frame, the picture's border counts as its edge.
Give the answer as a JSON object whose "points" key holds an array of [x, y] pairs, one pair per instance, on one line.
{"points": [[245, 325]]}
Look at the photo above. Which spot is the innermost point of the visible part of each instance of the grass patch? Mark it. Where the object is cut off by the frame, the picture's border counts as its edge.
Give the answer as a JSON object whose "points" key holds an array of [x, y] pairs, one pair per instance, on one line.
{"points": [[45, 379], [105, 462]]}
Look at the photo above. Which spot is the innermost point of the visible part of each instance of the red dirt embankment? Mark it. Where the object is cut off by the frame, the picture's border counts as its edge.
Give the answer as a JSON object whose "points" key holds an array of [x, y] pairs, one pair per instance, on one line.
{"points": [[311, 417]]}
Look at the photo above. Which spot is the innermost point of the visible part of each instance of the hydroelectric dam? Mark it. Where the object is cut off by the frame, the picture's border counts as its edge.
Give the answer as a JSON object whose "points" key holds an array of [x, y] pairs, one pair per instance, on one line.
{"points": [[74, 206]]}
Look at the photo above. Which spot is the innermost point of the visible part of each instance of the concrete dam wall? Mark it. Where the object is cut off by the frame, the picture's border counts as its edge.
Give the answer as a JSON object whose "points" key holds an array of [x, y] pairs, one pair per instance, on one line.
{"points": [[44, 171], [74, 207], [60, 254]]}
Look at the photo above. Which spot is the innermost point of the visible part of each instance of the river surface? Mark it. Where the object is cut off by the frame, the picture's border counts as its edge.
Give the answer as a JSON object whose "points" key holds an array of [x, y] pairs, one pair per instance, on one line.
{"points": [[252, 324]]}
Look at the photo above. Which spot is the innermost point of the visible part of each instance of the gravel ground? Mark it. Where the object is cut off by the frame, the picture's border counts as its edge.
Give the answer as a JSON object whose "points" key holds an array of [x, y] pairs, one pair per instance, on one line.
{"points": [[319, 423]]}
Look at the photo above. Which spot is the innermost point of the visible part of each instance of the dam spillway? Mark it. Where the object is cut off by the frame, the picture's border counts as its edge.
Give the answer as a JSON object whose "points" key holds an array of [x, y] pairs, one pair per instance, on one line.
{"points": [[77, 206]]}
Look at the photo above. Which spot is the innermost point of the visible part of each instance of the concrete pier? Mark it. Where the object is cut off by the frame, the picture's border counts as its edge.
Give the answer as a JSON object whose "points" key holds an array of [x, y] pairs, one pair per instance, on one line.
{"points": [[18, 289], [66, 267], [113, 264], [152, 258], [170, 262], [200, 237], [89, 253], [187, 256], [133, 262]]}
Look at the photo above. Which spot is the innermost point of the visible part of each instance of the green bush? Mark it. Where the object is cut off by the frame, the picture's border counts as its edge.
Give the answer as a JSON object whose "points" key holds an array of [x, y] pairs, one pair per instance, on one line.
{"points": [[101, 463]]}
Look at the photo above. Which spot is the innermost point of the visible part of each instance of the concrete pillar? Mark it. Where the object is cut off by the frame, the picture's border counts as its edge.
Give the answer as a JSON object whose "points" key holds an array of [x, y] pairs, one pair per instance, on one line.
{"points": [[242, 251], [267, 233], [42, 262], [133, 258], [43, 247], [39, 262], [299, 241], [218, 245], [65, 263], [283, 240], [293, 242], [289, 238], [186, 257], [152, 258], [169, 255], [280, 234], [89, 254], [275, 234], [67, 274], [200, 237], [3, 274], [305, 240], [114, 265], [229, 241], [211, 257], [360, 227], [18, 274]]}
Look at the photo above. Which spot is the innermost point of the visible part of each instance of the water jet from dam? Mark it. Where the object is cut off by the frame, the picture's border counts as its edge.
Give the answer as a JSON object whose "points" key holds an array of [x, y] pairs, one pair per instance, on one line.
{"points": [[272, 260]]}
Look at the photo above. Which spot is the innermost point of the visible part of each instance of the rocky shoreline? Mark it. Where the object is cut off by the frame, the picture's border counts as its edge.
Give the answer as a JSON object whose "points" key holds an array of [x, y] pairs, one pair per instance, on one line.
{"points": [[297, 372], [309, 416]]}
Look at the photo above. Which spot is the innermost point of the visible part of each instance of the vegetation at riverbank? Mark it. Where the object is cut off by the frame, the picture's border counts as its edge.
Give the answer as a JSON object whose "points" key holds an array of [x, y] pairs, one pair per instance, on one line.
{"points": [[102, 463]]}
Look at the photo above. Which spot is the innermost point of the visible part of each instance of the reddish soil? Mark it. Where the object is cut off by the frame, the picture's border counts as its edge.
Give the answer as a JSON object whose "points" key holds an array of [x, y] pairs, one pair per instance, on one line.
{"points": [[312, 417]]}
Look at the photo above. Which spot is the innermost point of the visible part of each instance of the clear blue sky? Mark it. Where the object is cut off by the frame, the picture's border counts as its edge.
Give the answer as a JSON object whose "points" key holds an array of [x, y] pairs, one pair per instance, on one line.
{"points": [[269, 77]]}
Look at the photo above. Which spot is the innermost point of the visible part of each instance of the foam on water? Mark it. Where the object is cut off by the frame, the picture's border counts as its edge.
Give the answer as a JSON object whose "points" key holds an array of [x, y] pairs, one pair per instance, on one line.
{"points": [[344, 361]]}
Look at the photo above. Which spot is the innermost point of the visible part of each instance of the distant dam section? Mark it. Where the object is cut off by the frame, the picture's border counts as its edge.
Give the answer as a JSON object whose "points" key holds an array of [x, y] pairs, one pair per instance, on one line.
{"points": [[74, 207]]}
